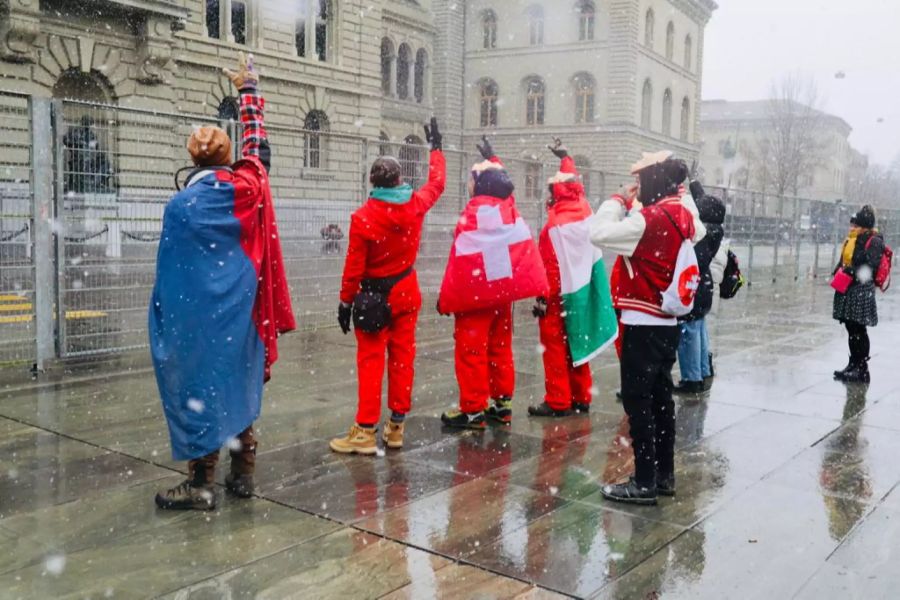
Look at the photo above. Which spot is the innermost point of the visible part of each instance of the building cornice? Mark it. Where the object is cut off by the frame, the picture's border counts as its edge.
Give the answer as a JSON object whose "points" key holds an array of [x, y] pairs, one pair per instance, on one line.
{"points": [[700, 10], [542, 50], [420, 22]]}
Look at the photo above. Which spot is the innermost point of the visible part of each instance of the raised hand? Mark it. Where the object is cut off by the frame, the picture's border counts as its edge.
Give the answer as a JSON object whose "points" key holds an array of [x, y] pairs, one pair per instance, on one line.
{"points": [[487, 151], [558, 149], [245, 76], [433, 135]]}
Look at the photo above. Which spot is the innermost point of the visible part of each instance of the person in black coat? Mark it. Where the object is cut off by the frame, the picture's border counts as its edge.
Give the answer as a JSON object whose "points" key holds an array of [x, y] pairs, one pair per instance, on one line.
{"points": [[693, 350], [856, 309]]}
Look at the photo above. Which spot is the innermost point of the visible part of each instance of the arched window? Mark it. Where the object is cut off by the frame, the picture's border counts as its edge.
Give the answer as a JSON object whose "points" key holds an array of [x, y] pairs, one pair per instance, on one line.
{"points": [[586, 16], [584, 169], [316, 18], [688, 52], [535, 25], [489, 29], [667, 113], [534, 101], [584, 98], [316, 121], [229, 110], [670, 41], [685, 119], [89, 141], [647, 105], [649, 26], [404, 60], [411, 159], [387, 67], [421, 75], [488, 103]]}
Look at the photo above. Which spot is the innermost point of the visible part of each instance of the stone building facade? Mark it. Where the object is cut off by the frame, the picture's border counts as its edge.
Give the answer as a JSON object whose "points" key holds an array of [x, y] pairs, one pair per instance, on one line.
{"points": [[611, 77], [730, 134]]}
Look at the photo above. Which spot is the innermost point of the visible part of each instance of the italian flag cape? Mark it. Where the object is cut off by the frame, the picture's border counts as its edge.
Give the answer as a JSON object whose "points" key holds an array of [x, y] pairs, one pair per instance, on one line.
{"points": [[587, 302]]}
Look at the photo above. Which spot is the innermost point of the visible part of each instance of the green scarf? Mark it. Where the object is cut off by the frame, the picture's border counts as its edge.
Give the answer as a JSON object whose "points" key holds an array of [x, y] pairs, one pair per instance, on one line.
{"points": [[395, 195]]}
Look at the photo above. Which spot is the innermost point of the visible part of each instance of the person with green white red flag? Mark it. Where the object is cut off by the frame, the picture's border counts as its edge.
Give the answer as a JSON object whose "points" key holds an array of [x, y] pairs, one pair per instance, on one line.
{"points": [[577, 319]]}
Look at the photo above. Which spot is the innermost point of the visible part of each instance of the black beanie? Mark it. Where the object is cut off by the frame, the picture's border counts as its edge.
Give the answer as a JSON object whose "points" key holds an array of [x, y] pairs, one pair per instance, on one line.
{"points": [[493, 182], [865, 218], [661, 180]]}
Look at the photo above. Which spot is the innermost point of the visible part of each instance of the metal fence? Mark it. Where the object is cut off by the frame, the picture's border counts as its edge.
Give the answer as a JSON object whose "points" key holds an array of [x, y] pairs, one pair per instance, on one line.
{"points": [[17, 339], [83, 188]]}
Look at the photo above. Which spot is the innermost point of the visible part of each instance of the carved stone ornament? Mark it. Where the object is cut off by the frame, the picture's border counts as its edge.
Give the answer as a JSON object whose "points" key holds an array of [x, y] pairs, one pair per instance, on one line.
{"points": [[155, 51], [19, 27]]}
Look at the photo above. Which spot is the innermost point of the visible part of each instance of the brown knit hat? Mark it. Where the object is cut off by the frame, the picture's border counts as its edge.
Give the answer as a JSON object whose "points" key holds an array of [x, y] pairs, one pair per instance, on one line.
{"points": [[210, 147]]}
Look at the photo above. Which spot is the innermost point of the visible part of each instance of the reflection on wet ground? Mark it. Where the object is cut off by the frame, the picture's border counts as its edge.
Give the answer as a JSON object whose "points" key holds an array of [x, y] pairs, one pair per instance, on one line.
{"points": [[787, 483]]}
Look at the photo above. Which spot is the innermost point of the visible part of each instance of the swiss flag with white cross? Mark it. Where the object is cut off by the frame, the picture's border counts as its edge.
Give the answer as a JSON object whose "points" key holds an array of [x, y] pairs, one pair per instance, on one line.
{"points": [[494, 260]]}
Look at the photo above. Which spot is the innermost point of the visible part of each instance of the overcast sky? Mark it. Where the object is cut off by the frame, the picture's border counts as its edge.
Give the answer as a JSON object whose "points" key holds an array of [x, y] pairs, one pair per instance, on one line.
{"points": [[751, 42]]}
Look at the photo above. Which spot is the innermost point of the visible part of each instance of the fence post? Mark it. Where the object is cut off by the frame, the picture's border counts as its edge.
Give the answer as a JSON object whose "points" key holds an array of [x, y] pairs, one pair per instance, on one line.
{"points": [[798, 235], [752, 237], [42, 160]]}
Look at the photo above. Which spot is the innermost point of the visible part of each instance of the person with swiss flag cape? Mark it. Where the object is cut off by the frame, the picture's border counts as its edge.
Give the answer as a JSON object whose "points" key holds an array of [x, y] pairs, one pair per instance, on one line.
{"points": [[493, 262], [577, 319]]}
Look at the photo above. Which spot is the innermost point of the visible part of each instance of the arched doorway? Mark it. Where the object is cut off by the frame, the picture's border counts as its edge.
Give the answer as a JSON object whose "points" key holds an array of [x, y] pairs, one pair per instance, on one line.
{"points": [[89, 141]]}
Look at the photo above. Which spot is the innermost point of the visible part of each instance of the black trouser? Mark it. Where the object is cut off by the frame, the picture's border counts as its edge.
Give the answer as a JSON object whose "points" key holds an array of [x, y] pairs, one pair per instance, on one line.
{"points": [[859, 342], [648, 355]]}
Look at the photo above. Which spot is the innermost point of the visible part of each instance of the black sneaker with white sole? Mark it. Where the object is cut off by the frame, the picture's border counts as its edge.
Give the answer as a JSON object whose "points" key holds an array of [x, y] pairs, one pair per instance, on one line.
{"points": [[460, 420], [630, 493]]}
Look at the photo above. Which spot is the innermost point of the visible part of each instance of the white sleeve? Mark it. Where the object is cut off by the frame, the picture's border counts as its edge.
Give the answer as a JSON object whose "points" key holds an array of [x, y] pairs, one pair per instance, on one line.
{"points": [[614, 232], [719, 262], [699, 228]]}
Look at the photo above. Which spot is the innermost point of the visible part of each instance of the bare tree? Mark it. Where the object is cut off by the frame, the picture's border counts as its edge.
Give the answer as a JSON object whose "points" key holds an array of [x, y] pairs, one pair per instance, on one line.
{"points": [[793, 143]]}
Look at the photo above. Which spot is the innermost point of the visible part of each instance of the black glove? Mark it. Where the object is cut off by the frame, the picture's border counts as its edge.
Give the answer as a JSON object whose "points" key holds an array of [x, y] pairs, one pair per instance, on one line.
{"points": [[437, 307], [540, 308], [558, 149], [433, 135], [487, 151], [344, 313]]}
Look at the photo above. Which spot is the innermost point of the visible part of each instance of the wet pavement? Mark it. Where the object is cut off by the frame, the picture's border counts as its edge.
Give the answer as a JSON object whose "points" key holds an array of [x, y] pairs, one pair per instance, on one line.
{"points": [[787, 482]]}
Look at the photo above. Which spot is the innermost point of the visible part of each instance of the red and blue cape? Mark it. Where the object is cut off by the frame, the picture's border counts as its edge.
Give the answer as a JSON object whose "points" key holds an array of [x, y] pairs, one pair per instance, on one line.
{"points": [[220, 301]]}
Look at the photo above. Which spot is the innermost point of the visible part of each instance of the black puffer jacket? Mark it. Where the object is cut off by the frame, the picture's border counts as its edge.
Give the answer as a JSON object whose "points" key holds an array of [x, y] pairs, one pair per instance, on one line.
{"points": [[712, 214]]}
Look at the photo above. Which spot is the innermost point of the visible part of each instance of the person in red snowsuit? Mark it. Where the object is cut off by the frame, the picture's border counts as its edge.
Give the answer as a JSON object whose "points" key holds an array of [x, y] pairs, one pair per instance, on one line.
{"points": [[567, 387], [484, 355], [382, 249]]}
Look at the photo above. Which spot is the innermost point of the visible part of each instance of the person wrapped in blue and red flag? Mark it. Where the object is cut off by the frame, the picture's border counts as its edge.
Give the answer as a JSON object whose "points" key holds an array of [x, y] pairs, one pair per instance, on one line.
{"points": [[493, 262], [219, 303], [380, 294]]}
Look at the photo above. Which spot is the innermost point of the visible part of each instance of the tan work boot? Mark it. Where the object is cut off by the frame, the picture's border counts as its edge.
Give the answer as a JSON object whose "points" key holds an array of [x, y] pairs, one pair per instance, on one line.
{"points": [[360, 440], [393, 435]]}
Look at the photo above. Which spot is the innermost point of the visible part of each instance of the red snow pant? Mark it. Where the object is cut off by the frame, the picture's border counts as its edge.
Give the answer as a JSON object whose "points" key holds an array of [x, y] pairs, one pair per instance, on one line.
{"points": [[564, 383], [398, 340], [484, 357]]}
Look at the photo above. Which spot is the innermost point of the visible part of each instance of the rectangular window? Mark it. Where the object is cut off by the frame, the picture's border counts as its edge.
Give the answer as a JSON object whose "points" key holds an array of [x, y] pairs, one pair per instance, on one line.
{"points": [[212, 18], [239, 21]]}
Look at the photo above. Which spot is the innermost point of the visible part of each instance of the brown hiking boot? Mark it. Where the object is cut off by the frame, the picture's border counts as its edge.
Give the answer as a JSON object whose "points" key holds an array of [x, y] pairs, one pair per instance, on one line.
{"points": [[360, 440], [243, 464], [393, 435], [197, 492]]}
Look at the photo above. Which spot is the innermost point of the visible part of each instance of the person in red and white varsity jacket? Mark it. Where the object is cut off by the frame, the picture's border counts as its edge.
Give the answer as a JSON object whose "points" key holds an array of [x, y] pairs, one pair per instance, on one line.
{"points": [[645, 226]]}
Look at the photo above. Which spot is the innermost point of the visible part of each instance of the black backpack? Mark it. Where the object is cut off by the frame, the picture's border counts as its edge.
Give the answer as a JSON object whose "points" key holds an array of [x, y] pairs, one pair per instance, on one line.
{"points": [[733, 280]]}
